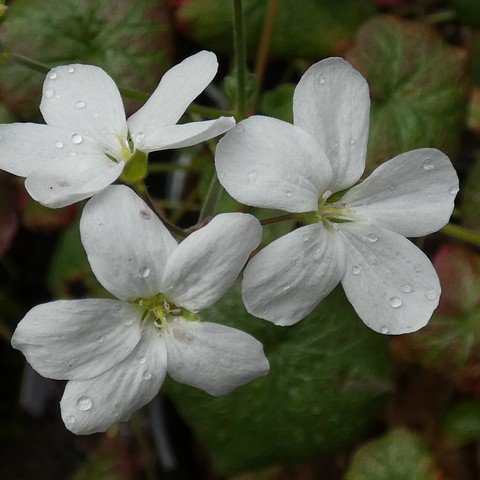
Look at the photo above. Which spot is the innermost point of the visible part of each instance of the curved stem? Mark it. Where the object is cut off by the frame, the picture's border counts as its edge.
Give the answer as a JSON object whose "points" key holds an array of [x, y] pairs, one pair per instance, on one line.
{"points": [[239, 44], [462, 233], [279, 218]]}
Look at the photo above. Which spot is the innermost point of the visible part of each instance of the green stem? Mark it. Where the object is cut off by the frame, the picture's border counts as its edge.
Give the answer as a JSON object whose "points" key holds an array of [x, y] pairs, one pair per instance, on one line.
{"points": [[280, 218], [146, 455], [210, 203], [126, 92], [239, 44], [171, 167], [462, 233]]}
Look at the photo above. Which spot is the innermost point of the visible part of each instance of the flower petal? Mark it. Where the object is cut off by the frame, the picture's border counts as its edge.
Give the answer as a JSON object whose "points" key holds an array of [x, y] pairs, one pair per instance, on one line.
{"points": [[332, 103], [389, 281], [177, 89], [85, 99], [77, 339], [413, 194], [206, 264], [266, 162], [94, 405], [213, 357], [185, 135], [287, 279], [69, 180], [126, 244], [25, 147]]}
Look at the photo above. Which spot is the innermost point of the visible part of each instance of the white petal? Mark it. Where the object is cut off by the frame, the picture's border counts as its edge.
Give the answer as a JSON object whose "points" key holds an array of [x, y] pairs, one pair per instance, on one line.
{"points": [[69, 180], [185, 135], [77, 339], [266, 162], [332, 103], [25, 147], [413, 194], [177, 89], [85, 99], [206, 264], [213, 357], [287, 279], [389, 281], [126, 244], [94, 405]]}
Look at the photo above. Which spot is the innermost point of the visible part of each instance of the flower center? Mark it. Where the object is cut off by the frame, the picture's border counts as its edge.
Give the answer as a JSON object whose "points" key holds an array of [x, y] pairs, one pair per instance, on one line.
{"points": [[160, 310]]}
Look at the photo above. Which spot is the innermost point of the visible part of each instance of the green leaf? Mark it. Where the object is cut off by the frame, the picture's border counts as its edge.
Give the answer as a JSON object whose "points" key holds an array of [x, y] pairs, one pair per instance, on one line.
{"points": [[470, 206], [127, 39], [278, 102], [69, 275], [461, 424], [302, 28], [415, 103], [328, 376], [399, 455]]}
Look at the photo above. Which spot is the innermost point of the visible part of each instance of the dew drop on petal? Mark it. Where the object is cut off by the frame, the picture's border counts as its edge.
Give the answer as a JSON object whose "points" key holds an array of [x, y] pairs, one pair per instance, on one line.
{"points": [[70, 419], [384, 330], [116, 308], [143, 272], [372, 237], [84, 404], [395, 302], [286, 287], [49, 93], [252, 175], [142, 360], [145, 214], [147, 375], [306, 238], [288, 193], [352, 142], [100, 339], [52, 75], [59, 144], [80, 105], [139, 137], [128, 322], [356, 270], [101, 226], [392, 187], [70, 69], [77, 138], [406, 288], [418, 268], [428, 164], [321, 79], [431, 295]]}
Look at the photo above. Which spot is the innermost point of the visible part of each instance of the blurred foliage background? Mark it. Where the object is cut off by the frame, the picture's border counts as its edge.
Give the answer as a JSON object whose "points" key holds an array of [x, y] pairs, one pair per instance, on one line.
{"points": [[341, 402]]}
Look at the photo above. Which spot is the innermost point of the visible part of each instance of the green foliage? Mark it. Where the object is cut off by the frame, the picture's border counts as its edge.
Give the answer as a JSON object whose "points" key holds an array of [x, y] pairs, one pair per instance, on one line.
{"points": [[303, 28], [136, 167], [468, 11], [415, 102], [461, 424], [399, 455], [278, 103], [470, 206], [328, 376], [122, 37]]}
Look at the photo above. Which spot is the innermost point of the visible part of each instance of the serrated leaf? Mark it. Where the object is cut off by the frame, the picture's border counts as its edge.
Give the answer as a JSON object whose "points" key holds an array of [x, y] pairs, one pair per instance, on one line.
{"points": [[399, 455], [302, 28], [124, 38], [328, 376], [461, 424], [415, 103]]}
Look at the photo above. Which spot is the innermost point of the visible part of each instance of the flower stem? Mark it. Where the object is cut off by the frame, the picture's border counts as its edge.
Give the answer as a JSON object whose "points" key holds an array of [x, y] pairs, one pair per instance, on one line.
{"points": [[264, 47], [462, 233], [212, 198], [171, 167], [146, 452], [279, 218], [126, 92]]}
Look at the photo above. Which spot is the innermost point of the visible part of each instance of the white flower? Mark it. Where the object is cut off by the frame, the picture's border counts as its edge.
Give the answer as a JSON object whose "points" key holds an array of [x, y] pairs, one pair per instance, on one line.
{"points": [[116, 353], [87, 141], [358, 240]]}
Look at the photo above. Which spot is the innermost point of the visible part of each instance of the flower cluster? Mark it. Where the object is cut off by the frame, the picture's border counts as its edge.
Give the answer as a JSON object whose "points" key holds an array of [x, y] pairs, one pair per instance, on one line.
{"points": [[115, 353]]}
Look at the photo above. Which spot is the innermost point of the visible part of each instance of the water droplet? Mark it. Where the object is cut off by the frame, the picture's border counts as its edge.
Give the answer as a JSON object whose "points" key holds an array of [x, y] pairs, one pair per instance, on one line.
{"points": [[142, 360], [139, 137], [288, 193], [372, 237], [318, 253], [306, 238], [252, 175], [101, 226], [428, 164], [391, 187], [76, 138], [143, 272], [59, 144], [352, 142], [49, 93], [70, 69], [239, 129], [128, 322], [52, 75], [115, 413], [395, 302], [418, 268], [431, 294], [100, 339], [453, 190], [286, 287], [80, 105], [356, 270], [70, 419], [406, 288], [84, 404], [147, 375], [116, 308], [321, 79], [384, 330], [145, 214]]}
